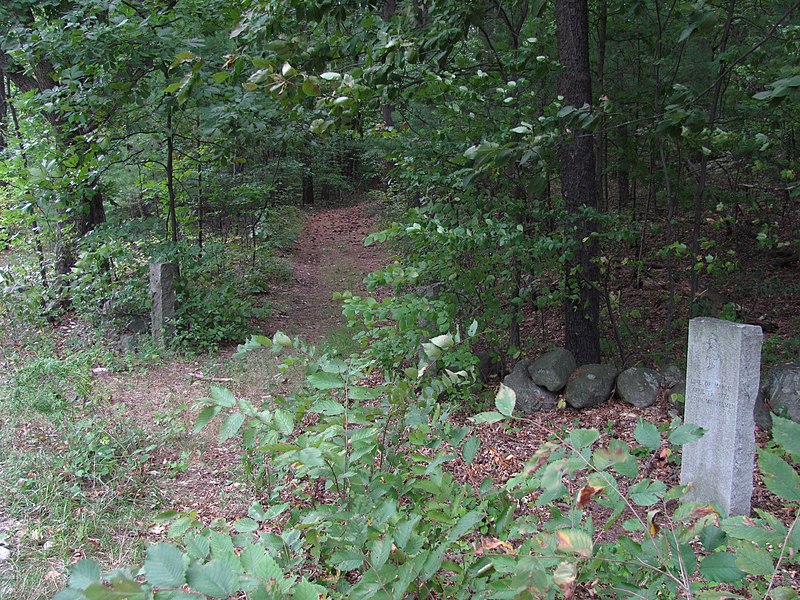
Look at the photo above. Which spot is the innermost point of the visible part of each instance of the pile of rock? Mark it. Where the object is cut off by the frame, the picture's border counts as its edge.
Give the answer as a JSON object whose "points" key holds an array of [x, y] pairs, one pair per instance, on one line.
{"points": [[538, 383]]}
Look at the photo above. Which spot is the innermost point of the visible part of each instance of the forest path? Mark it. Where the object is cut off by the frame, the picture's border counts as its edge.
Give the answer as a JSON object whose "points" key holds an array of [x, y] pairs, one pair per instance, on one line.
{"points": [[330, 256], [197, 472]]}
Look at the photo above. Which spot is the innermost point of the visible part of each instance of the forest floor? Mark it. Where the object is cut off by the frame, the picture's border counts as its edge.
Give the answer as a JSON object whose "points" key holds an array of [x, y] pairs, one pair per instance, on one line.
{"points": [[195, 474]]}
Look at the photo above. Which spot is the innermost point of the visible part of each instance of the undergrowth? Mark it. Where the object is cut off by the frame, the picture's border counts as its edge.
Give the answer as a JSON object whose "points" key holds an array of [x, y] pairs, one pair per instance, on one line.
{"points": [[358, 501]]}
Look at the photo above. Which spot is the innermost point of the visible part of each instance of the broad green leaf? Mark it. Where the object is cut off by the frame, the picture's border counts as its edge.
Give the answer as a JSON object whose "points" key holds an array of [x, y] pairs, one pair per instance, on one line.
{"points": [[472, 329], [582, 438], [325, 381], [647, 492], [165, 566], [358, 392], [786, 434], [120, 589], [505, 400], [491, 416], [215, 578], [223, 397], [257, 561], [204, 417], [779, 476], [685, 433], [752, 560], [281, 339], [431, 350], [327, 407], [245, 525], [83, 573], [647, 435], [470, 448], [311, 457], [283, 421], [347, 560], [331, 76], [69, 594], [721, 567], [742, 528], [231, 426], [306, 590], [380, 550], [574, 541], [465, 524], [712, 537], [784, 593], [444, 341]]}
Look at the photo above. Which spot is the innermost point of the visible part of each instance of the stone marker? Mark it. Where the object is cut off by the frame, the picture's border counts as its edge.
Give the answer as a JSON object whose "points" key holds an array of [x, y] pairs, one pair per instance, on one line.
{"points": [[162, 291], [722, 373]]}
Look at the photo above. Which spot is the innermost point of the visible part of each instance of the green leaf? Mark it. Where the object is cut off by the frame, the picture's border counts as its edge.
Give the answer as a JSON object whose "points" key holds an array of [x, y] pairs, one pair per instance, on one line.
{"points": [[786, 434], [205, 416], [470, 448], [347, 560], [331, 76], [83, 573], [231, 426], [120, 589], [311, 457], [465, 524], [582, 438], [358, 392], [647, 435], [491, 416], [223, 397], [444, 341], [472, 329], [214, 578], [685, 433], [779, 476], [325, 381], [380, 550], [505, 400], [281, 339], [721, 567], [574, 541], [69, 594], [257, 561], [647, 492], [783, 593], [327, 407], [245, 525], [752, 560], [308, 591], [165, 566], [283, 421]]}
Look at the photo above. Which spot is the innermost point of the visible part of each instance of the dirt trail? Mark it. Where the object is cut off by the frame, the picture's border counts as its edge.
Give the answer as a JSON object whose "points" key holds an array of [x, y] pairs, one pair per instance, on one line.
{"points": [[330, 256]]}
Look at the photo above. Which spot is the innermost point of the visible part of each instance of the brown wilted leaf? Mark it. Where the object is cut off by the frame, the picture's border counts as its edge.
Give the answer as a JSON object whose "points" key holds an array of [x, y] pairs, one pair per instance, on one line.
{"points": [[587, 493]]}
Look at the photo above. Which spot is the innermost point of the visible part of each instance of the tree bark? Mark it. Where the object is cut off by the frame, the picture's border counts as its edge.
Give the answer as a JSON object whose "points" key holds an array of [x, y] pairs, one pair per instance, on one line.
{"points": [[578, 186]]}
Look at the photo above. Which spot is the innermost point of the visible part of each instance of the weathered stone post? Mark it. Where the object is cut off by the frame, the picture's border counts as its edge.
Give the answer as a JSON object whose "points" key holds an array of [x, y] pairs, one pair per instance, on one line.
{"points": [[162, 291], [722, 376]]}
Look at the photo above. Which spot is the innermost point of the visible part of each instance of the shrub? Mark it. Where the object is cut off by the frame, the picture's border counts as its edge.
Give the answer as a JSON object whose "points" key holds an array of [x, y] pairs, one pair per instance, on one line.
{"points": [[361, 487]]}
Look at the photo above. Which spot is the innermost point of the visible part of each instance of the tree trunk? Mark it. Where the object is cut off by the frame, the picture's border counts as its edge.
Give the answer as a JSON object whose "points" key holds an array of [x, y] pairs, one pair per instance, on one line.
{"points": [[308, 189], [578, 186], [172, 216]]}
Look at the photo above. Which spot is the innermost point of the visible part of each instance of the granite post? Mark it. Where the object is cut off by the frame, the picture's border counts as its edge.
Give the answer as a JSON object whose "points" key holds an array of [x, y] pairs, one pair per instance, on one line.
{"points": [[722, 377], [162, 291]]}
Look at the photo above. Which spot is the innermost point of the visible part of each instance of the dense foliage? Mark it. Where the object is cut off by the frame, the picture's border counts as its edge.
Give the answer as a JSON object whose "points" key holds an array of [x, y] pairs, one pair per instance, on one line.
{"points": [[533, 158]]}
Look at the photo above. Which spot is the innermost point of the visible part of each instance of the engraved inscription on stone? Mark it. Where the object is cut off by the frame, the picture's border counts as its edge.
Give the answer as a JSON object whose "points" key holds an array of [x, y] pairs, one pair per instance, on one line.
{"points": [[722, 376]]}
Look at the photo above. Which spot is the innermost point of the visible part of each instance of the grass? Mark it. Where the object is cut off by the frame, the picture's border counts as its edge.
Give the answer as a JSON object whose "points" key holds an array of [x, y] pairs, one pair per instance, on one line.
{"points": [[71, 484]]}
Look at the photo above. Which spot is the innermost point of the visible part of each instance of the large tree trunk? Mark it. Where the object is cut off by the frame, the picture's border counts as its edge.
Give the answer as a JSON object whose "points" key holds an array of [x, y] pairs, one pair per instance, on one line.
{"points": [[578, 185]]}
